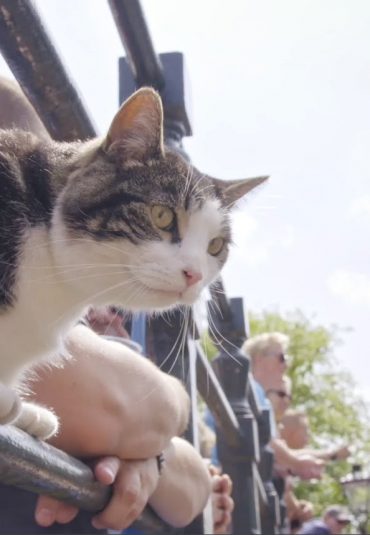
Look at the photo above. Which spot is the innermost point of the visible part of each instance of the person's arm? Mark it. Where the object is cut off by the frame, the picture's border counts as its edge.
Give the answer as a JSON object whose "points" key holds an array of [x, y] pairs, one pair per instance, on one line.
{"points": [[305, 467], [177, 495], [184, 485], [111, 400], [333, 454]]}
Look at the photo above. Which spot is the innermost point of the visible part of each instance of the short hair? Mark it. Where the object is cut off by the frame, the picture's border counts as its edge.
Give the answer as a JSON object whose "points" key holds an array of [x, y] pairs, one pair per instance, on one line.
{"points": [[293, 416], [264, 343]]}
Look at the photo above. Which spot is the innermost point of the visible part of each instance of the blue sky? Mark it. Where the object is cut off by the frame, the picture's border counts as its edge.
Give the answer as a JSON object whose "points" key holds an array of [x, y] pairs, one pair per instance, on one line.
{"points": [[279, 88]]}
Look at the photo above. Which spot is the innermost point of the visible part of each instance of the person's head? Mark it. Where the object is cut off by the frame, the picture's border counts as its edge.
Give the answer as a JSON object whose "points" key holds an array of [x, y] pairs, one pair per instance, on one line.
{"points": [[267, 353], [336, 518], [295, 429], [280, 396]]}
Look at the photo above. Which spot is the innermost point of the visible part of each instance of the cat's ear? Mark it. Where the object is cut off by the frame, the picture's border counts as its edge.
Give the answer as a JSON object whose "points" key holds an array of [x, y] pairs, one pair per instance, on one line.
{"points": [[136, 132], [233, 190]]}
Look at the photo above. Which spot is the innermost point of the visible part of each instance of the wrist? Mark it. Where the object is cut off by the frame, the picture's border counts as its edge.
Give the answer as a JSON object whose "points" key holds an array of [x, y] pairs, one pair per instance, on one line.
{"points": [[160, 459]]}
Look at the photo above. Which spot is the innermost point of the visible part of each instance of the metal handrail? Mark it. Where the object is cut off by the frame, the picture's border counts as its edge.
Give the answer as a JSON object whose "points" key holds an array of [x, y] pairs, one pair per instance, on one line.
{"points": [[133, 31], [38, 467], [34, 61]]}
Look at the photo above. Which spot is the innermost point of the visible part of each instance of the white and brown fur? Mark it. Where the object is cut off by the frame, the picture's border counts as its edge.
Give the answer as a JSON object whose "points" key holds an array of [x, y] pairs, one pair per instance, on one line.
{"points": [[76, 229]]}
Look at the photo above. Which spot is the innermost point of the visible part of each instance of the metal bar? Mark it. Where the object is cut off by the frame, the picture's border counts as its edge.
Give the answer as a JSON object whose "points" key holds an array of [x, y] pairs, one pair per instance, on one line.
{"points": [[38, 467], [212, 393], [35, 466], [34, 61], [133, 31]]}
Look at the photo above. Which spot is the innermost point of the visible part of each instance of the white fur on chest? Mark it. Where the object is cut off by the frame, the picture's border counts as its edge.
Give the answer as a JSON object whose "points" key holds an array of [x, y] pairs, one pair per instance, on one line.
{"points": [[30, 329]]}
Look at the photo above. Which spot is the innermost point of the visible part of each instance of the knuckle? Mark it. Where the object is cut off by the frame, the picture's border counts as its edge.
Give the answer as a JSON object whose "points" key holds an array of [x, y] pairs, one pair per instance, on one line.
{"points": [[131, 495]]}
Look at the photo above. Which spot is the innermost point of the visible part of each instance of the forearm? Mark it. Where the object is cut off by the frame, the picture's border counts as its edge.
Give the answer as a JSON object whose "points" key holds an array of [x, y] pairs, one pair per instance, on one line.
{"points": [[184, 485], [110, 400], [283, 455], [291, 502]]}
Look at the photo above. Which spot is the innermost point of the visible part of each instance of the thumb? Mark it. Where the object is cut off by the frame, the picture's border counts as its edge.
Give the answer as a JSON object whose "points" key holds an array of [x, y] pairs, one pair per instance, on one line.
{"points": [[106, 469]]}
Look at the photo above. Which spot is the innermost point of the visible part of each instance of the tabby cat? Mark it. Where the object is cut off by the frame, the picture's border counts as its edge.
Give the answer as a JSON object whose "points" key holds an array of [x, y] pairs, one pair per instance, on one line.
{"points": [[121, 220]]}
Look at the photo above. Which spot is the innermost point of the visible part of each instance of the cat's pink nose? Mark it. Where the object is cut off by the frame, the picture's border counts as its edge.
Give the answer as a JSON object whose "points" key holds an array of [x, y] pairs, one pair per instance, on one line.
{"points": [[192, 276]]}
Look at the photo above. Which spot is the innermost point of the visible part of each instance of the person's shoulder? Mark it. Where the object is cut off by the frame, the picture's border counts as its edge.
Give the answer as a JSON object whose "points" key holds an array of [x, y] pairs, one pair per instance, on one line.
{"points": [[314, 527]]}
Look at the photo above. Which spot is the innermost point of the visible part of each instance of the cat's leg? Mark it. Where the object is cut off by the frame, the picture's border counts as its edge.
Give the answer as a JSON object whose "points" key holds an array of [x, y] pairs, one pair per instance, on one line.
{"points": [[10, 404], [36, 420]]}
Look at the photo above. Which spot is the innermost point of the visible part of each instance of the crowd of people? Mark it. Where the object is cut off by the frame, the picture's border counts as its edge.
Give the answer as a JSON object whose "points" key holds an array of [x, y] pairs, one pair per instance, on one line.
{"points": [[290, 437]]}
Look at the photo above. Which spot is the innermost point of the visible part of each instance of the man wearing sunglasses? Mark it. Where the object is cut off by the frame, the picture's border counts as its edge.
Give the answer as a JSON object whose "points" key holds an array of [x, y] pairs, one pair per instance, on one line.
{"points": [[335, 519]]}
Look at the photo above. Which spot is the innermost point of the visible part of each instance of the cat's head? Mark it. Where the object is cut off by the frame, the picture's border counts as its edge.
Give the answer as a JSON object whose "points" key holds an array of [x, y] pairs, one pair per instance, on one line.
{"points": [[141, 220]]}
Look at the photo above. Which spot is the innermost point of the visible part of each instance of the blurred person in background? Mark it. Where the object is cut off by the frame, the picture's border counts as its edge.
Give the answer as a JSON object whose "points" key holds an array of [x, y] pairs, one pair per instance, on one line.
{"points": [[295, 430], [334, 520], [269, 362], [280, 396]]}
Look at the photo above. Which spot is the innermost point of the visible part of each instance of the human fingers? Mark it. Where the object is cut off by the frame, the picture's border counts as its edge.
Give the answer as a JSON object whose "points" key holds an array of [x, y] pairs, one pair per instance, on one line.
{"points": [[213, 470], [216, 483], [134, 484], [221, 527], [226, 484], [225, 502], [106, 469], [49, 510], [342, 453]]}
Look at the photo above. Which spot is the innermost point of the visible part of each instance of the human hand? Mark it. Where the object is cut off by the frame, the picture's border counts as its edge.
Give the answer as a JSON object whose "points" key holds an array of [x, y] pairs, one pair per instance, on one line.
{"points": [[307, 467], [305, 510], [133, 483], [222, 502], [341, 453]]}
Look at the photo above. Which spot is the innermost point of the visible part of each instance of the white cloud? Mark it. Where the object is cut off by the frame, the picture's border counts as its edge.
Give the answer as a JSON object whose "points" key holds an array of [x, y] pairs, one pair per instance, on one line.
{"points": [[359, 209], [351, 286], [250, 249]]}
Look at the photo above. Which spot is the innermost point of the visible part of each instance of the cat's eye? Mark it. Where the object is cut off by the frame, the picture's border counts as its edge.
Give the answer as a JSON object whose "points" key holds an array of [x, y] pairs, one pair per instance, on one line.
{"points": [[162, 216], [215, 246]]}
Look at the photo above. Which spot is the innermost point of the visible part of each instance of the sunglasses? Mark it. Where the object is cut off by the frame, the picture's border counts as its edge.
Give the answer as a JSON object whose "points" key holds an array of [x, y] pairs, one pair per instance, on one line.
{"points": [[282, 358], [280, 393]]}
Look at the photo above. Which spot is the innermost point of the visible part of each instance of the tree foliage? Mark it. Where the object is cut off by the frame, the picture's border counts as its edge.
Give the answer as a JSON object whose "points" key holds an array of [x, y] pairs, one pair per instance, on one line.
{"points": [[337, 414]]}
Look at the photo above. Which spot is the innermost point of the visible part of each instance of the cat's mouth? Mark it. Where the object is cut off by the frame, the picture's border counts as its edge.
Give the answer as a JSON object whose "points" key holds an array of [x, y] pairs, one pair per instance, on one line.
{"points": [[176, 295]]}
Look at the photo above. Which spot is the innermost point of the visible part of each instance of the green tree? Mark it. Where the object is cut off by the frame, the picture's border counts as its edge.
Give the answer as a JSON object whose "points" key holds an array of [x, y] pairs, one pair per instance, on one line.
{"points": [[336, 413]]}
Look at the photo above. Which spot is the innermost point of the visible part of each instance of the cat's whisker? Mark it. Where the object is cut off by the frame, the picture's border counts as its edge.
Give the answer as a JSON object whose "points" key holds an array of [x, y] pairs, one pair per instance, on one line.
{"points": [[182, 336], [92, 298], [213, 303], [80, 240], [171, 351], [189, 179], [153, 390], [51, 281], [217, 335]]}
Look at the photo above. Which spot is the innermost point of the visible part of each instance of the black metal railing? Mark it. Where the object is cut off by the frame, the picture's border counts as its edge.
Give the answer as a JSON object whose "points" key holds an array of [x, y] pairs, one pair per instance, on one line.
{"points": [[242, 428]]}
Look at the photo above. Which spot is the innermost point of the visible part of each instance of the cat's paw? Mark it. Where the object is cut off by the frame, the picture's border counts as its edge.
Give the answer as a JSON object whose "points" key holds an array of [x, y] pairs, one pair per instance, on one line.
{"points": [[10, 404], [37, 421]]}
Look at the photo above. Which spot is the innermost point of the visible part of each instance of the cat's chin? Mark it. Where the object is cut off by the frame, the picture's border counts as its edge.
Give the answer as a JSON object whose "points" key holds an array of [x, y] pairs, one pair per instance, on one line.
{"points": [[160, 300]]}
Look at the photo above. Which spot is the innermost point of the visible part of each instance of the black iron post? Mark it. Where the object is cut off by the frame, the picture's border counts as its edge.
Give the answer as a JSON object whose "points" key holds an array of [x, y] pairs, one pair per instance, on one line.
{"points": [[34, 61], [232, 370], [228, 332]]}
